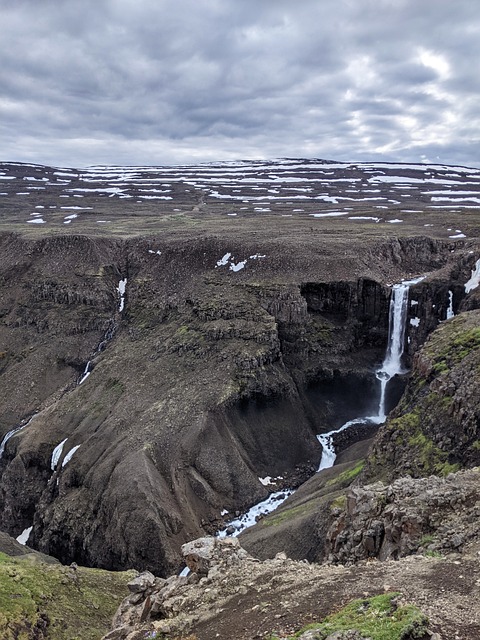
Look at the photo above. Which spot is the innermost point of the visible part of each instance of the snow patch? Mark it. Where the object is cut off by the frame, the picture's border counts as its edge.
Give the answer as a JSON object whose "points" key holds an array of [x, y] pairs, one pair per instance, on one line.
{"points": [[56, 454], [69, 455], [223, 261], [24, 536], [238, 266], [121, 292], [474, 281]]}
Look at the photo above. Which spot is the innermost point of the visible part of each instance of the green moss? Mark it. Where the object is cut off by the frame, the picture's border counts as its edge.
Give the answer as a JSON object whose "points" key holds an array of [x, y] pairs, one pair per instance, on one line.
{"points": [[426, 539], [448, 353], [475, 445], [432, 458], [76, 603], [339, 502], [441, 367], [407, 422], [348, 476], [287, 514], [378, 618]]}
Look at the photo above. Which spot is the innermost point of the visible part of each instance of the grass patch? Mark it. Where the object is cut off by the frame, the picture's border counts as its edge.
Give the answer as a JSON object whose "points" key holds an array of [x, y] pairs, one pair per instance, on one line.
{"points": [[432, 458], [287, 514], [339, 502], [455, 350], [378, 618], [347, 476], [75, 604]]}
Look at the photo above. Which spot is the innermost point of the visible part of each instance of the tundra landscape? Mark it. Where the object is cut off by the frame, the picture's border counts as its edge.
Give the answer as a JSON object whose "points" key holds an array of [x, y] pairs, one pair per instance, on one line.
{"points": [[180, 344]]}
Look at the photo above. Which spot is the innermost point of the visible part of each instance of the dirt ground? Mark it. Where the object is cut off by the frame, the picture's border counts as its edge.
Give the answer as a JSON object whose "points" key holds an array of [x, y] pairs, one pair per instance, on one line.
{"points": [[281, 596]]}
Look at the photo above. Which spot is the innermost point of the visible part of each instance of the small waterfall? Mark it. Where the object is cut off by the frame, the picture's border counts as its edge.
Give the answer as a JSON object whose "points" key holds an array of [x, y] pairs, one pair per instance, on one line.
{"points": [[11, 433], [86, 373], [450, 313], [109, 334]]}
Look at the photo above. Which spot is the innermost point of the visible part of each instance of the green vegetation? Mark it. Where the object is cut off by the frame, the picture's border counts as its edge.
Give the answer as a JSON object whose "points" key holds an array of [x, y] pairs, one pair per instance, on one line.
{"points": [[339, 502], [74, 604], [426, 539], [287, 514], [348, 476], [432, 458], [447, 354], [410, 432], [378, 618]]}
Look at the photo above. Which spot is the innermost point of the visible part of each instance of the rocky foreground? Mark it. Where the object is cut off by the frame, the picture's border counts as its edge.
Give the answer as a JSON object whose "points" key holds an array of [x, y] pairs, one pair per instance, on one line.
{"points": [[430, 523]]}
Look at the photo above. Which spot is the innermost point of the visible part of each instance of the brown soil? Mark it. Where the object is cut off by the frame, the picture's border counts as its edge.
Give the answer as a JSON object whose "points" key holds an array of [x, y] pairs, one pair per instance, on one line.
{"points": [[283, 596]]}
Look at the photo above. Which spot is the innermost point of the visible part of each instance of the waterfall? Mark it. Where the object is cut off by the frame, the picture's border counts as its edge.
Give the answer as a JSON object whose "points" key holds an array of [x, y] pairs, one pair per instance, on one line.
{"points": [[391, 366], [392, 363], [11, 433], [450, 313]]}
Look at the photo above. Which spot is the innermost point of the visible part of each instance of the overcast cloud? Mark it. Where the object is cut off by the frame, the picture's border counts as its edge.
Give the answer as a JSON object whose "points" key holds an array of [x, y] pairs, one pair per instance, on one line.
{"points": [[182, 81]]}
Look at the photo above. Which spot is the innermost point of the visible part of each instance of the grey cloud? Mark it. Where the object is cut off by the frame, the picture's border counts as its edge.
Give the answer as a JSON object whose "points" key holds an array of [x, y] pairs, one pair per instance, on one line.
{"points": [[161, 81]]}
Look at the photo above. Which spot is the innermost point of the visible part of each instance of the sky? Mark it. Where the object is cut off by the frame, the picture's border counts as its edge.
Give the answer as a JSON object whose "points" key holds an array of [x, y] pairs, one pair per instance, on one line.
{"points": [[154, 82]]}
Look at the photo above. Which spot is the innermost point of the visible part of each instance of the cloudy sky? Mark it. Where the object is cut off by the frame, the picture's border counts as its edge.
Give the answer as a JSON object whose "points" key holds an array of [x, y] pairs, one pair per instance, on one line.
{"points": [[182, 81]]}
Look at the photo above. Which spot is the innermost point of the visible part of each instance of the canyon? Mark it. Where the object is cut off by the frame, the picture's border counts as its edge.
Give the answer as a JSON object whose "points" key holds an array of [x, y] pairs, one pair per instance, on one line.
{"points": [[188, 332]]}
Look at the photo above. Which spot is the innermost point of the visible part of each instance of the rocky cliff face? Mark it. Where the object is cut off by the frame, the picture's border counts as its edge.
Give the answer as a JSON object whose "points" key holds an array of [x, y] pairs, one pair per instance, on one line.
{"points": [[210, 381], [235, 341], [435, 428]]}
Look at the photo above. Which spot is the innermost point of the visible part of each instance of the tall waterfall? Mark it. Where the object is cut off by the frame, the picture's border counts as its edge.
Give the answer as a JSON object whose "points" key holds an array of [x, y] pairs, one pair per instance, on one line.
{"points": [[391, 366], [392, 363]]}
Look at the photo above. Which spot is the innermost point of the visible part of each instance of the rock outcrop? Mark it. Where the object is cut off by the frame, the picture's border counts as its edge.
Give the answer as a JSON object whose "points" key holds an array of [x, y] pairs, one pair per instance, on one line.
{"points": [[408, 516], [233, 595], [436, 426]]}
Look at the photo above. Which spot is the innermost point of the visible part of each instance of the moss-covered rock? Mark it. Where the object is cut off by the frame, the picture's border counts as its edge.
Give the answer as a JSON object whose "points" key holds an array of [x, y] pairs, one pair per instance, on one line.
{"points": [[435, 428], [39, 600], [382, 617]]}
